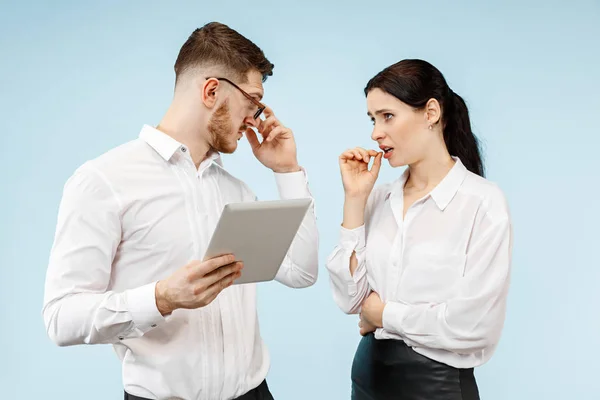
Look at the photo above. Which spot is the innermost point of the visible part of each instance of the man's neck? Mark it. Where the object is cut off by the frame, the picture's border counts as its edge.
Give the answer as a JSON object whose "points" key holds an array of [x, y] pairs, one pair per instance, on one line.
{"points": [[186, 129]]}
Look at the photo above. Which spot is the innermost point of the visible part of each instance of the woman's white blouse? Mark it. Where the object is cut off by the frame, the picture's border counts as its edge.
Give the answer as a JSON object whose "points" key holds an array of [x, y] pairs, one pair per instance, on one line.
{"points": [[443, 271]]}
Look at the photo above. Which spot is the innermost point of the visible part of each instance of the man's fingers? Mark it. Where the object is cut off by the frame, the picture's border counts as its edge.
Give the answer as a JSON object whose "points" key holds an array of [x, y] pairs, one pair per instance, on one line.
{"points": [[214, 277], [267, 125], [276, 132], [268, 112], [221, 273], [206, 267], [252, 139], [217, 287]]}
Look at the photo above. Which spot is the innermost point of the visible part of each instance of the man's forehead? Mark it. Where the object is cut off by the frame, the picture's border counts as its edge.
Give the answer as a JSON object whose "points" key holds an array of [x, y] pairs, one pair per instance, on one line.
{"points": [[254, 85]]}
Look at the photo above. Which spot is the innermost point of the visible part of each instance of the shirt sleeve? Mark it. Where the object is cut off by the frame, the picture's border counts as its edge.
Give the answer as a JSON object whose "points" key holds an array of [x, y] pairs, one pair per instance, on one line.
{"points": [[78, 308], [473, 318], [349, 291], [301, 264]]}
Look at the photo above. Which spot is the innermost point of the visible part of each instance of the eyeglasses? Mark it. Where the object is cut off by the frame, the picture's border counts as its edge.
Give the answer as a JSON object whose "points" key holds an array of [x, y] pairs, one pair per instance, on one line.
{"points": [[261, 107]]}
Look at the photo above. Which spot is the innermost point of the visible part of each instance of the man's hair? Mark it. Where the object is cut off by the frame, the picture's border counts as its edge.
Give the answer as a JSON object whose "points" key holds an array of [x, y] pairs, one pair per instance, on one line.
{"points": [[217, 45]]}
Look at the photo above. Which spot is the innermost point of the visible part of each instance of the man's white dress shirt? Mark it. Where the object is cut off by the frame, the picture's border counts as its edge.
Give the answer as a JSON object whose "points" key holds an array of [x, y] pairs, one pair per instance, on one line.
{"points": [[443, 271], [134, 216]]}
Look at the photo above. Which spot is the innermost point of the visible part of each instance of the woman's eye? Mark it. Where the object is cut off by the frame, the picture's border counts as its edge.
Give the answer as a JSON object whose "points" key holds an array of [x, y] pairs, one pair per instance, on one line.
{"points": [[387, 116]]}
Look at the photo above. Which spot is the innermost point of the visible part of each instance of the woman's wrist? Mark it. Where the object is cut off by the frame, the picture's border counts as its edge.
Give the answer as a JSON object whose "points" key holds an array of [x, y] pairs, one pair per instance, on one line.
{"points": [[354, 212]]}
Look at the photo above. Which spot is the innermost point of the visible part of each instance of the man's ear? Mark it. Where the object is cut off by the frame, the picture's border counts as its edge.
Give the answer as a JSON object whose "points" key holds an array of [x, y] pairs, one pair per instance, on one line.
{"points": [[210, 91]]}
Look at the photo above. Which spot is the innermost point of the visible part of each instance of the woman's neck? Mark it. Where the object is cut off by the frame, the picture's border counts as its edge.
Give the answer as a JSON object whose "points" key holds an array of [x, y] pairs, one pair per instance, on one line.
{"points": [[427, 173]]}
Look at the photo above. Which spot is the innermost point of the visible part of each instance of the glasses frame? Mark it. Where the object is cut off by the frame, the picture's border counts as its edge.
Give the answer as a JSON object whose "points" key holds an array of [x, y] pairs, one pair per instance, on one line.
{"points": [[261, 106]]}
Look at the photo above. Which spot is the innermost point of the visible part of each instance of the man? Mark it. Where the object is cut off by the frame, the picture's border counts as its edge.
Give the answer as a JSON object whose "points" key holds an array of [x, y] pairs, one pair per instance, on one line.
{"points": [[126, 264]]}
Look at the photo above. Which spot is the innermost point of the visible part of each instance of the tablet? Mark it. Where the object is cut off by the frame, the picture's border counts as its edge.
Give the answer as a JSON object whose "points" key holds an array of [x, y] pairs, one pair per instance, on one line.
{"points": [[259, 234]]}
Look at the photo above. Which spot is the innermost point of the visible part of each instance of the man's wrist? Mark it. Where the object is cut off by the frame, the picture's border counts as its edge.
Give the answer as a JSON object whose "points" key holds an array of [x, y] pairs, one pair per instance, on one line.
{"points": [[163, 305], [287, 169]]}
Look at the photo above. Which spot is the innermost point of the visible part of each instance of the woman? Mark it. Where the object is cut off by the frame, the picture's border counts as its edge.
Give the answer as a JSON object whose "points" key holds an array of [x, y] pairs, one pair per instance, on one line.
{"points": [[425, 259]]}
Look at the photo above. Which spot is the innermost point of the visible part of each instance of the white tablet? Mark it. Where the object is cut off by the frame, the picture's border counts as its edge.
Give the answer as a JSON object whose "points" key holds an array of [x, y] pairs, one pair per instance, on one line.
{"points": [[259, 234]]}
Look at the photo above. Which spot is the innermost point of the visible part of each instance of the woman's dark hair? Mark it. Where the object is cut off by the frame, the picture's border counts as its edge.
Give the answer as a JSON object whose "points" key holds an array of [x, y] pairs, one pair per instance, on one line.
{"points": [[415, 82]]}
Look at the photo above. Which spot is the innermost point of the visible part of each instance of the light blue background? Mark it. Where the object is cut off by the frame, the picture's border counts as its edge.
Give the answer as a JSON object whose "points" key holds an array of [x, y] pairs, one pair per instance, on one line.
{"points": [[77, 78]]}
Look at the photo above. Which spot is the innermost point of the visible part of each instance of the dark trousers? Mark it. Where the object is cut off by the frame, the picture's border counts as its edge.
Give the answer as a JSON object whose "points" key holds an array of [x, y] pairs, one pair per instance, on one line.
{"points": [[389, 369], [259, 393]]}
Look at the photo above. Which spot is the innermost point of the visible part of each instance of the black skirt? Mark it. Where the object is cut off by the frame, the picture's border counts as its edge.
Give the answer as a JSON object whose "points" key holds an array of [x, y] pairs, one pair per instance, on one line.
{"points": [[389, 369]]}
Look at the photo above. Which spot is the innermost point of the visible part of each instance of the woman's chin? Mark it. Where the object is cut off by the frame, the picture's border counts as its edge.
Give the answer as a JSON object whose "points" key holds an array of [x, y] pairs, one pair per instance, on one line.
{"points": [[396, 162]]}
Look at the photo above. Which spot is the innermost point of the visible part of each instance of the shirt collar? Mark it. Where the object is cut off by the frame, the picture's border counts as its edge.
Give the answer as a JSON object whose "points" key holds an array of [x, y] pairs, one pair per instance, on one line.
{"points": [[444, 192], [216, 158], [166, 146]]}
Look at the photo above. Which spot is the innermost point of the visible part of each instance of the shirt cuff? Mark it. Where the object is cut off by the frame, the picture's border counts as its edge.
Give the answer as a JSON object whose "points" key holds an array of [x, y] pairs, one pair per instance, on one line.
{"points": [[353, 239], [142, 306], [393, 315], [292, 185]]}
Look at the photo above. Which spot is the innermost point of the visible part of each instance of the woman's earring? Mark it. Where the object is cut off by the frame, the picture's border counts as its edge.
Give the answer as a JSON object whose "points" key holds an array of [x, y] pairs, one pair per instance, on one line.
{"points": [[430, 127]]}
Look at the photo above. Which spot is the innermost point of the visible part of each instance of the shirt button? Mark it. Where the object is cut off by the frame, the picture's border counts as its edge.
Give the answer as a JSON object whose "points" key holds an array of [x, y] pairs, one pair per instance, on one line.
{"points": [[183, 149], [153, 325], [120, 337]]}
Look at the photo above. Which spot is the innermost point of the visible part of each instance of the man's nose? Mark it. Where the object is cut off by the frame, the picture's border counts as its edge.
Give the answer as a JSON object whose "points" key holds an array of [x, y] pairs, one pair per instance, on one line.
{"points": [[251, 122]]}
